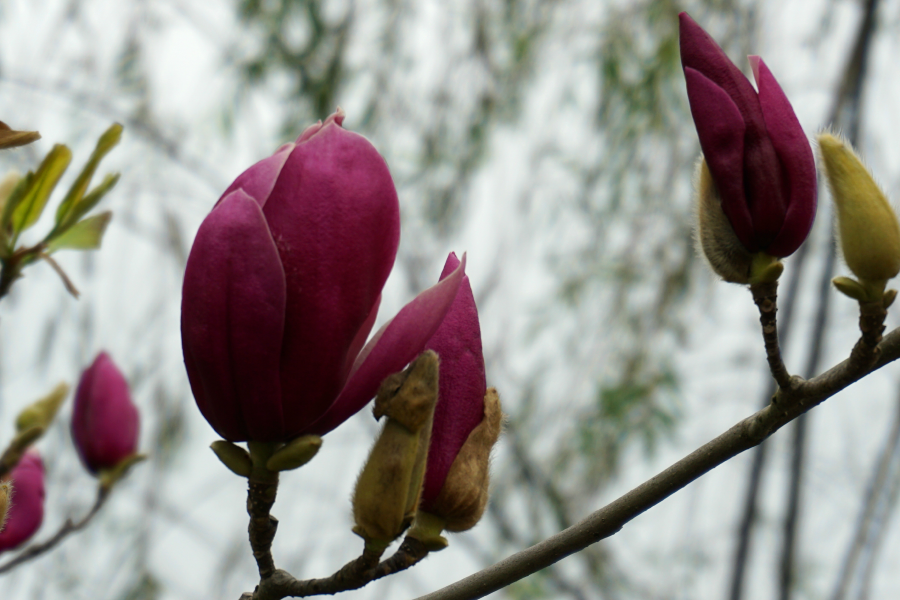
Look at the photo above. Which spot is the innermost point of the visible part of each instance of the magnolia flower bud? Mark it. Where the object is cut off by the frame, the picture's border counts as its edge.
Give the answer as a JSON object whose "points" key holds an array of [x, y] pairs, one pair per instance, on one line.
{"points": [[105, 422], [282, 288], [869, 232], [758, 168], [26, 511], [389, 485]]}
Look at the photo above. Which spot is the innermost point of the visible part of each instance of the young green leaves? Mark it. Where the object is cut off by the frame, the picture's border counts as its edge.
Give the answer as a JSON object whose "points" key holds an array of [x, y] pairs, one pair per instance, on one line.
{"points": [[23, 200]]}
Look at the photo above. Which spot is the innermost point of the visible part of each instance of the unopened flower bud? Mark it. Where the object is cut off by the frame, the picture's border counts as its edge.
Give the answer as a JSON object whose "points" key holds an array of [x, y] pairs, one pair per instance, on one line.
{"points": [[390, 483], [463, 498], [869, 232], [105, 422], [26, 509], [42, 412]]}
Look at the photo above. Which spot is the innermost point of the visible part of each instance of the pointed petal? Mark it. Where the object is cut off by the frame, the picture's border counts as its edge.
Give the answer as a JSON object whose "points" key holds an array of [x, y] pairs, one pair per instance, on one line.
{"points": [[721, 132], [258, 181], [462, 382], [392, 348], [795, 154], [232, 322], [699, 51], [336, 221]]}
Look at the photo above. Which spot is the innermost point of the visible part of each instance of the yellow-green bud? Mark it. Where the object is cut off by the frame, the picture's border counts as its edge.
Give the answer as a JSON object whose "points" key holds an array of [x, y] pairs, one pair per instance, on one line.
{"points": [[869, 232], [295, 454], [41, 412], [390, 483], [233, 456]]}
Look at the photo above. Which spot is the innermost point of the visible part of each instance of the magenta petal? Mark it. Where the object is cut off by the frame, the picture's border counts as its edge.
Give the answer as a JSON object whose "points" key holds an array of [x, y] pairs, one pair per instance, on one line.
{"points": [[336, 221], [460, 406], [232, 321], [27, 510], [105, 422], [796, 157], [259, 180], [394, 346], [721, 132]]}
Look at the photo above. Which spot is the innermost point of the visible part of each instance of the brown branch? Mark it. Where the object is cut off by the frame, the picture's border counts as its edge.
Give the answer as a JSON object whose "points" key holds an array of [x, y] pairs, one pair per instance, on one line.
{"points": [[68, 528], [262, 528], [352, 576], [787, 405], [765, 295]]}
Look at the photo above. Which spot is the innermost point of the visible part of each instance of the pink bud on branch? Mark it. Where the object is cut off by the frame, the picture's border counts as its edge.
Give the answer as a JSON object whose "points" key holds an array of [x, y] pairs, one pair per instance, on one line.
{"points": [[26, 509], [105, 422], [758, 156], [282, 288]]}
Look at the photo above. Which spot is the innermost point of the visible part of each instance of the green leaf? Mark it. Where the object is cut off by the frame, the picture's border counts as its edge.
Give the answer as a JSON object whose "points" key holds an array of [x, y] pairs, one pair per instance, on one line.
{"points": [[83, 235], [68, 211], [31, 205]]}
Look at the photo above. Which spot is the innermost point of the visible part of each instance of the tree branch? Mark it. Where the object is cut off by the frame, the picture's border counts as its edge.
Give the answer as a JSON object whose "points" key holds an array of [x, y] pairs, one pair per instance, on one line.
{"points": [[786, 406], [67, 529]]}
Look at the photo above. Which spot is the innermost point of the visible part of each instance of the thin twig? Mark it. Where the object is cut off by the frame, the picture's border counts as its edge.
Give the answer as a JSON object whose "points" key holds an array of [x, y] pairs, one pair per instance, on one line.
{"points": [[70, 287], [744, 435], [765, 296], [68, 528], [352, 576]]}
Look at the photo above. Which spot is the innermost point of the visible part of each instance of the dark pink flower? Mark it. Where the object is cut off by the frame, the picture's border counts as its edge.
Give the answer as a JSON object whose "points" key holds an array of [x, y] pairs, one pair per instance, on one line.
{"points": [[105, 422], [757, 153], [282, 288], [27, 507], [462, 385]]}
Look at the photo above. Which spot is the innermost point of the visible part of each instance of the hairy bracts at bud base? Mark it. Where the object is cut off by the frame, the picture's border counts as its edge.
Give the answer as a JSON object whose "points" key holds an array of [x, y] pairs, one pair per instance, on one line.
{"points": [[282, 288], [105, 422], [26, 511], [759, 157]]}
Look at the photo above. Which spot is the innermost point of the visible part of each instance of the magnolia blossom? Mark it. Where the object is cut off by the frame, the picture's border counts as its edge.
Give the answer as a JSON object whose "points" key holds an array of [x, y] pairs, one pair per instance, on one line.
{"points": [[105, 422], [282, 288], [758, 156], [26, 509]]}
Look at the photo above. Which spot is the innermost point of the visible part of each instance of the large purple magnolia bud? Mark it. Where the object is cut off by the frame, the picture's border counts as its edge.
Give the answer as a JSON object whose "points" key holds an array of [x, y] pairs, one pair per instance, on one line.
{"points": [[759, 158], [466, 420], [105, 422], [282, 288], [26, 509]]}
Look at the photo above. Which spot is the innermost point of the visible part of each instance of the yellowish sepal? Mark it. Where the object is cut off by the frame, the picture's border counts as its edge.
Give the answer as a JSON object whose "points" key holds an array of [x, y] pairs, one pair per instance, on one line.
{"points": [[233, 456], [295, 454], [109, 477], [765, 268], [427, 529]]}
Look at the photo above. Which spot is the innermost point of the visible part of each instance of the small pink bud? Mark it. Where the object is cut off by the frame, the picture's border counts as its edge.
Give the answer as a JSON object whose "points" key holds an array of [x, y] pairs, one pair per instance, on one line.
{"points": [[105, 422], [27, 503]]}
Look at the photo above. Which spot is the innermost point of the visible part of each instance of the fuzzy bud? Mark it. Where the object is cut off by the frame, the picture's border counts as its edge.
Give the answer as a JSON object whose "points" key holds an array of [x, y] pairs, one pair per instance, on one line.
{"points": [[26, 508], [463, 498], [389, 485], [869, 232], [42, 412]]}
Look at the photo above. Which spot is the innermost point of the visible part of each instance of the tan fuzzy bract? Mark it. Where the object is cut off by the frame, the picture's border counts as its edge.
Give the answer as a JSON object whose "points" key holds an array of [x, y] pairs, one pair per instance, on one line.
{"points": [[464, 496], [388, 488], [869, 232], [716, 240]]}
